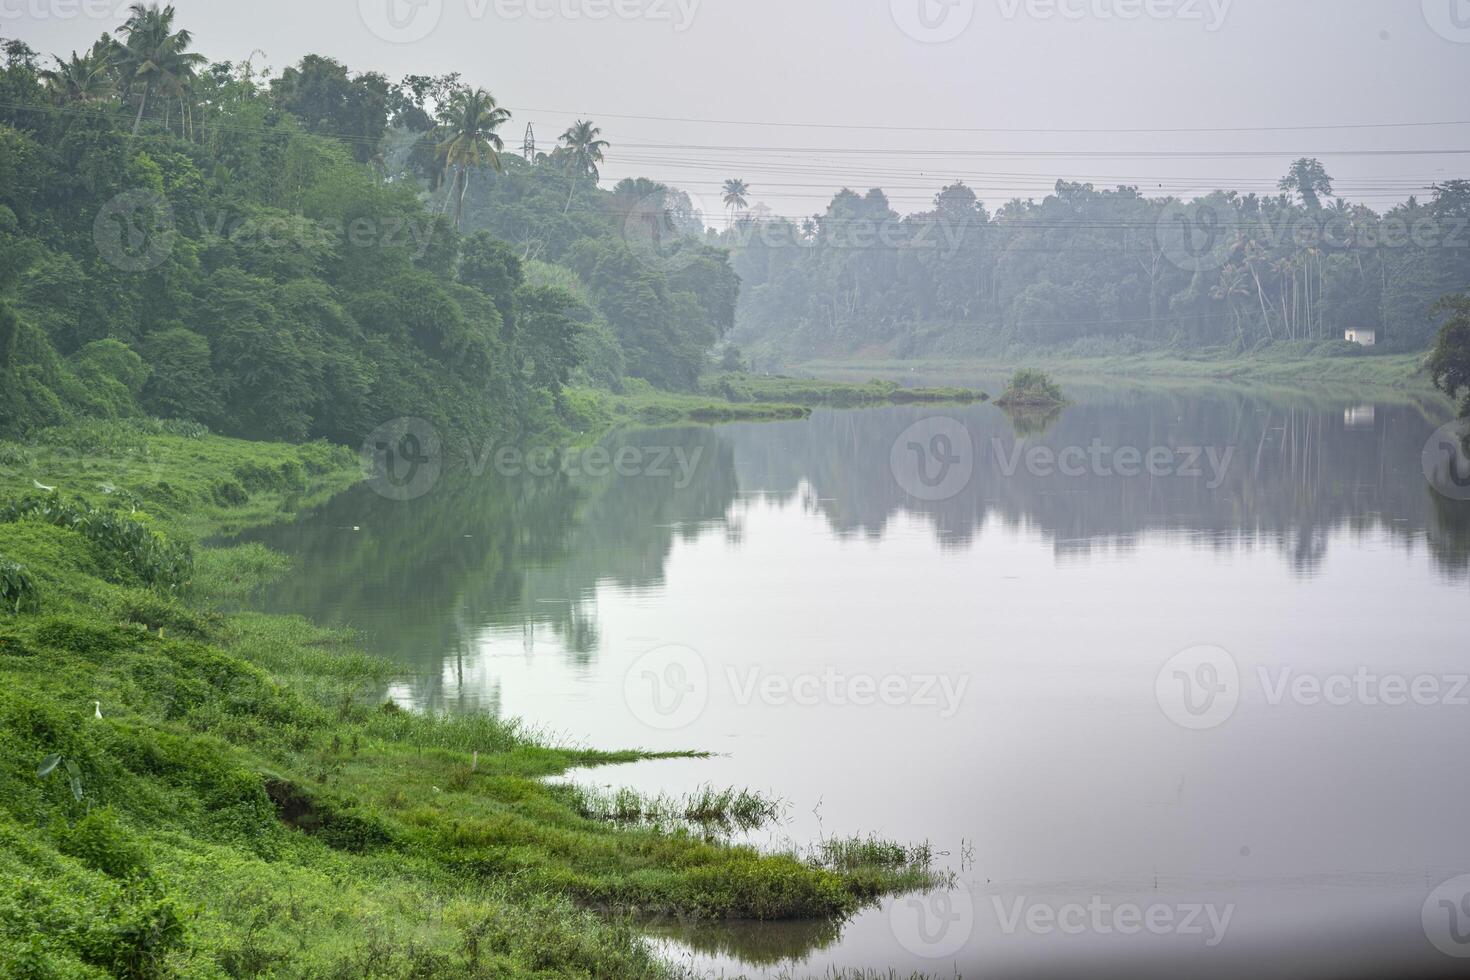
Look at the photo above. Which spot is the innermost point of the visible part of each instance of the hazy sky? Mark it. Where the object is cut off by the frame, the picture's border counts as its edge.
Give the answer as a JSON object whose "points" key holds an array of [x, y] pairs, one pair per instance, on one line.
{"points": [[970, 69]]}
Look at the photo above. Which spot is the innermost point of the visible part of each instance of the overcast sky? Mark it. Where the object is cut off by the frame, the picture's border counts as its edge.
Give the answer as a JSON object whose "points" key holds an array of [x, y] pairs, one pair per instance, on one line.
{"points": [[970, 69]]}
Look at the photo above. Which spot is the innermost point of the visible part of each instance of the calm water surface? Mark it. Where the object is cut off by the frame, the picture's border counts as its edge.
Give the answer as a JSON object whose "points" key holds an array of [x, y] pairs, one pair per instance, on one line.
{"points": [[1023, 624]]}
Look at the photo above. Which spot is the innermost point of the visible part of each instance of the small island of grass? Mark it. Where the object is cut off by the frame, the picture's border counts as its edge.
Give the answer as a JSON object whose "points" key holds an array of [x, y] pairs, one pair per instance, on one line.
{"points": [[1030, 389]]}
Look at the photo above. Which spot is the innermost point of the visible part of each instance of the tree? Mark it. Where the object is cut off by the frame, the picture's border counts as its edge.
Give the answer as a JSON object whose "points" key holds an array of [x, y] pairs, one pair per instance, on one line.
{"points": [[581, 151], [469, 140], [1449, 364], [84, 78], [584, 150], [154, 55], [548, 336], [1308, 179], [320, 93], [735, 196]]}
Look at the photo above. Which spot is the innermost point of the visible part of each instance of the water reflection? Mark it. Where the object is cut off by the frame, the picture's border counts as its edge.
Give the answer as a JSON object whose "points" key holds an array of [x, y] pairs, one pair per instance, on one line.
{"points": [[423, 579], [1303, 535]]}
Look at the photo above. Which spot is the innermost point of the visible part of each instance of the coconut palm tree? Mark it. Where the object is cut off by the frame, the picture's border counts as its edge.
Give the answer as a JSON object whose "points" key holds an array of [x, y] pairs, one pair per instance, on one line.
{"points": [[469, 140], [735, 192], [1234, 282], [84, 78], [154, 55], [581, 151]]}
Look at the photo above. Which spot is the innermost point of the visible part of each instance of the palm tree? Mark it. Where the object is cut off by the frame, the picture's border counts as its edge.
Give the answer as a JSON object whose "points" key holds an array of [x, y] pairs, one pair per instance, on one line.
{"points": [[1233, 282], [154, 55], [582, 152], [84, 78], [583, 149], [470, 121], [735, 191]]}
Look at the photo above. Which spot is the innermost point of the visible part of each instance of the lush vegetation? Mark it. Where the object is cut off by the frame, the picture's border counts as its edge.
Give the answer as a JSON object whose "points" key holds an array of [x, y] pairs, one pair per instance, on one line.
{"points": [[1030, 388], [1090, 271], [1449, 364], [198, 794], [310, 255], [808, 391]]}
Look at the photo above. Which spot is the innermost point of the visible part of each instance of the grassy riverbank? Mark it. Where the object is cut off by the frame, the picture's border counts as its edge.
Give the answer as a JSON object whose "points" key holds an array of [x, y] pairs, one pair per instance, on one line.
{"points": [[247, 803], [744, 398], [1403, 371]]}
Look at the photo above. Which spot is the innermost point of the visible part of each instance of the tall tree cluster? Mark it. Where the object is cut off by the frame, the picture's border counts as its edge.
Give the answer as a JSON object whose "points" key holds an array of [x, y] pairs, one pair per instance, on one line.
{"points": [[311, 254], [1102, 270]]}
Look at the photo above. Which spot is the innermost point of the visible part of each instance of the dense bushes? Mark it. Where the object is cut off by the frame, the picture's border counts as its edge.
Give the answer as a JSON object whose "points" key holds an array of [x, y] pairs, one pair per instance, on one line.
{"points": [[18, 590], [246, 274], [131, 547]]}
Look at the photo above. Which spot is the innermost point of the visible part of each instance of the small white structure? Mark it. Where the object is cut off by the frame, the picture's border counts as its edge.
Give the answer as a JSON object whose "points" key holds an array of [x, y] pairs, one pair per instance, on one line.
{"points": [[1367, 338]]}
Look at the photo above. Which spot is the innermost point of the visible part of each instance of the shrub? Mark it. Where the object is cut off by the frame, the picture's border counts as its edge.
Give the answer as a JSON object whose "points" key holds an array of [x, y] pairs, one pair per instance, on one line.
{"points": [[1029, 387], [102, 844], [18, 591], [229, 493], [133, 546]]}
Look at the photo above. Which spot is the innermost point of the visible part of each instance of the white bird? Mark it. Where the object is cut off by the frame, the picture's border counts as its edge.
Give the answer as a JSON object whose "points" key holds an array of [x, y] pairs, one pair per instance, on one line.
{"points": [[97, 707], [41, 486]]}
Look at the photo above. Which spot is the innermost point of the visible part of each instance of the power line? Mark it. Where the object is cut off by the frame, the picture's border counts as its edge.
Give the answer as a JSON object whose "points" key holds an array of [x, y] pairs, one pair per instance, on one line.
{"points": [[875, 127]]}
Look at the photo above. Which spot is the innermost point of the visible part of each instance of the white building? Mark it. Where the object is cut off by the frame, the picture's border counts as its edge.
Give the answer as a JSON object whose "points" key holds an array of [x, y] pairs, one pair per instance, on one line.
{"points": [[1368, 338]]}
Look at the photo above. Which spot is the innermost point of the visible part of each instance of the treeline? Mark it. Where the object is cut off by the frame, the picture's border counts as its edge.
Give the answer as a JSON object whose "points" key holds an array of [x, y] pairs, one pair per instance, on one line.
{"points": [[309, 255], [1101, 271]]}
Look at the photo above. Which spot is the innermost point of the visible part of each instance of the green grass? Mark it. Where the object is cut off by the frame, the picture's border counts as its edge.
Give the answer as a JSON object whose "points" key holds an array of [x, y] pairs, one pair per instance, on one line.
{"points": [[740, 398], [706, 809], [249, 804], [742, 388], [1279, 367], [595, 410]]}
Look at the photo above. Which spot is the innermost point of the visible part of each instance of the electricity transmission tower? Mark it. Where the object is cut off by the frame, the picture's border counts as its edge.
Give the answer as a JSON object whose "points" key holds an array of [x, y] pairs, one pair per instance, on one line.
{"points": [[528, 146]]}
